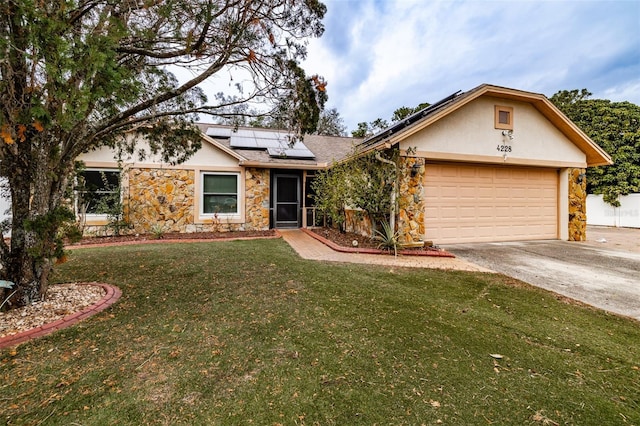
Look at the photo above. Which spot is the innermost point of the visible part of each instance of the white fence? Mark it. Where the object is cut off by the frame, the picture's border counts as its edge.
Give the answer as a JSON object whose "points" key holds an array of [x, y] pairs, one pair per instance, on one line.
{"points": [[601, 213]]}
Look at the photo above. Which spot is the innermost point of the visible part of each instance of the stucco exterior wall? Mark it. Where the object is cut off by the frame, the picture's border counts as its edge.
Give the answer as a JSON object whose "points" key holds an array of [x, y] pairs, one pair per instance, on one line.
{"points": [[207, 155], [468, 134]]}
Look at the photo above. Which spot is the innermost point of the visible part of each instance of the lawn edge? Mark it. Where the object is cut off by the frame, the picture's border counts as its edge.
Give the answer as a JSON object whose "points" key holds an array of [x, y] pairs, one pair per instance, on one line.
{"points": [[111, 296]]}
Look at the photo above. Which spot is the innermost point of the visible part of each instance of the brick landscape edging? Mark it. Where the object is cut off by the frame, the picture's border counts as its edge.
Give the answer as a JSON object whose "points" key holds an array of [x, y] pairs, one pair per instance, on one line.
{"points": [[336, 247], [275, 236], [112, 294]]}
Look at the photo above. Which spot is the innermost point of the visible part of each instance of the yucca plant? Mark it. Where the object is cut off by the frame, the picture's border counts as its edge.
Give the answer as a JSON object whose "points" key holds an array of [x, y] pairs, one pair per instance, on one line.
{"points": [[388, 238]]}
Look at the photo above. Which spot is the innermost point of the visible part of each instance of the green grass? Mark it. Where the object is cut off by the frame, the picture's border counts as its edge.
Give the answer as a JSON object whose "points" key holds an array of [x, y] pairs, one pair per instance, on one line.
{"points": [[246, 332]]}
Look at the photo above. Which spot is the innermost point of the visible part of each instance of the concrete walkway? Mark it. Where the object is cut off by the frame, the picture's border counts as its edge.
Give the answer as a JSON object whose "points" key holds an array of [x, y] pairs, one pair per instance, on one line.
{"points": [[312, 249]]}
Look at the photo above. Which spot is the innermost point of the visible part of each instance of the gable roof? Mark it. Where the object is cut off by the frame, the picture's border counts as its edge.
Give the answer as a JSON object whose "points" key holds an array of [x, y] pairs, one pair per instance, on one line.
{"points": [[595, 155], [324, 149]]}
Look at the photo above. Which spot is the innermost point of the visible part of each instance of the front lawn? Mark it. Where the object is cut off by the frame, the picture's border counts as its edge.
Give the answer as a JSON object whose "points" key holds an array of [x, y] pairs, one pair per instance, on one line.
{"points": [[246, 332]]}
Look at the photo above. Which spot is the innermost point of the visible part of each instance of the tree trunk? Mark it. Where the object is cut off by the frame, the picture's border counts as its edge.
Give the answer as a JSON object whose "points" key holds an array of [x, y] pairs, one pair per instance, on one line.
{"points": [[36, 193], [25, 265]]}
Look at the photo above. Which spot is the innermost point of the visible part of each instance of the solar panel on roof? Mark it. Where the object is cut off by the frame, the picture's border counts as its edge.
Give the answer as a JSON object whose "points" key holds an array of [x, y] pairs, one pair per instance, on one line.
{"points": [[243, 142], [268, 143], [246, 133], [277, 144], [219, 132], [290, 153]]}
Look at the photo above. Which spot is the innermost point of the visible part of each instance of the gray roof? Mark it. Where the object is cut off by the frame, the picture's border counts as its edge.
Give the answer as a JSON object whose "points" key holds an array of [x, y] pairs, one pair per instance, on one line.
{"points": [[325, 149]]}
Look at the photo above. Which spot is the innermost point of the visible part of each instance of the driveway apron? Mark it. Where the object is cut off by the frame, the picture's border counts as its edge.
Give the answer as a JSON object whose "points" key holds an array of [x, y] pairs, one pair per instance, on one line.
{"points": [[591, 272]]}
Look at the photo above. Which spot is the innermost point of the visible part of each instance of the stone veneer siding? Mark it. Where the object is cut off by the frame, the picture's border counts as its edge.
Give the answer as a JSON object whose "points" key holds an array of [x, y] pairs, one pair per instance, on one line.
{"points": [[159, 198], [163, 199], [577, 205], [358, 222], [257, 184], [411, 199]]}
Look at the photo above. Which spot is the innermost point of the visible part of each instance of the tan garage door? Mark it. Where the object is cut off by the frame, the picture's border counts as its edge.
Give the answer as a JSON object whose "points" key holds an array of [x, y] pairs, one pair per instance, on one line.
{"points": [[470, 203]]}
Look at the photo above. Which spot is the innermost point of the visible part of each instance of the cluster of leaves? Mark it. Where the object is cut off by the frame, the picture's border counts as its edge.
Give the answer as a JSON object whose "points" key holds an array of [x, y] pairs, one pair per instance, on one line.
{"points": [[388, 238], [362, 182], [367, 129], [330, 123], [615, 126]]}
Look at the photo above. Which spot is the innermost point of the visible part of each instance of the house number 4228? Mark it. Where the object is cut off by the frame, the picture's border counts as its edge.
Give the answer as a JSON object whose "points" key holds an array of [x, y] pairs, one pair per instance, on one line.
{"points": [[504, 148]]}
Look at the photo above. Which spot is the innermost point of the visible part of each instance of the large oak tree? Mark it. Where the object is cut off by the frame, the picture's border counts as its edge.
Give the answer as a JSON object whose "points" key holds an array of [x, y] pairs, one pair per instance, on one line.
{"points": [[76, 75]]}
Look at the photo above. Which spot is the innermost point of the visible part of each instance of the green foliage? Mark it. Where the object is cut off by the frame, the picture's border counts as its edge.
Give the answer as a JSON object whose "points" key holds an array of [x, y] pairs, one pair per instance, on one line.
{"points": [[367, 129], [362, 182], [331, 124], [404, 112], [157, 231], [331, 189], [615, 126], [389, 239], [78, 76], [46, 227]]}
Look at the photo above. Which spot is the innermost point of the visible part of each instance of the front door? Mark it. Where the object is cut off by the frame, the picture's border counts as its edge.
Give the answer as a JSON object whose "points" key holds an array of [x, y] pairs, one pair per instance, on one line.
{"points": [[287, 201]]}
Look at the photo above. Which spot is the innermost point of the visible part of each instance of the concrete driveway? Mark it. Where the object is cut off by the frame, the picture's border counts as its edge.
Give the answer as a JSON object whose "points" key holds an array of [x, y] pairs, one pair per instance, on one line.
{"points": [[603, 271]]}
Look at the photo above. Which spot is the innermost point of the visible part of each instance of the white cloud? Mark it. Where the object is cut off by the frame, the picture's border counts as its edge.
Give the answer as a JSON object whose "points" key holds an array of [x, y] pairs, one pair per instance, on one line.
{"points": [[382, 55], [628, 91]]}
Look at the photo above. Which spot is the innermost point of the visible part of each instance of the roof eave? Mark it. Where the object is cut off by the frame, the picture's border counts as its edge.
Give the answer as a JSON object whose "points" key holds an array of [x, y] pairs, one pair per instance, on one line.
{"points": [[289, 166], [223, 148]]}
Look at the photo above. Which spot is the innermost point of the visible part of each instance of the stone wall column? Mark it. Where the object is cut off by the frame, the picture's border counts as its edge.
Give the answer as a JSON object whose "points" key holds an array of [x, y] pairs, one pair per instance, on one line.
{"points": [[257, 183], [577, 205], [411, 199]]}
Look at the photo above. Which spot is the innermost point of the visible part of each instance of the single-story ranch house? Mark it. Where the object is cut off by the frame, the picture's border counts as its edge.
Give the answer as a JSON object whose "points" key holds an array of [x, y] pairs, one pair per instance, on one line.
{"points": [[490, 164]]}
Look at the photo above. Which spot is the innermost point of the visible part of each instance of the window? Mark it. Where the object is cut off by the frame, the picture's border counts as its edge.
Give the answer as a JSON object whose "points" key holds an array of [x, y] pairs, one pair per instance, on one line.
{"points": [[220, 193], [99, 190], [504, 117]]}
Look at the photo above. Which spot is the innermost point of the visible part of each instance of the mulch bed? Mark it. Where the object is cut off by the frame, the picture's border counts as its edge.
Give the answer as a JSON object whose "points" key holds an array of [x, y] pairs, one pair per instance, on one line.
{"points": [[344, 241]]}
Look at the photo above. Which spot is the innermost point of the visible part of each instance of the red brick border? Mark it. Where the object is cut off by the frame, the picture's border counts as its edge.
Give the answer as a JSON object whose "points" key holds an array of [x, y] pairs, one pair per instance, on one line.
{"points": [[112, 294], [336, 247], [275, 236]]}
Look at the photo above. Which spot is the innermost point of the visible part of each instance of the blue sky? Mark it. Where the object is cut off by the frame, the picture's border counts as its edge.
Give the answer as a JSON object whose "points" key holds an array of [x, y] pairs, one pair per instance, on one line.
{"points": [[379, 55]]}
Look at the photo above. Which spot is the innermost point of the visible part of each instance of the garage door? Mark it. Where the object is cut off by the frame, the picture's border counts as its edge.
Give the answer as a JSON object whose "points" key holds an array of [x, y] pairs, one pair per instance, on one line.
{"points": [[470, 203]]}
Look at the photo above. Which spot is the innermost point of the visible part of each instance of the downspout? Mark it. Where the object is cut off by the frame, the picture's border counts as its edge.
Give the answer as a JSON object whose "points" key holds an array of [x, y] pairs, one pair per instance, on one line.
{"points": [[392, 216]]}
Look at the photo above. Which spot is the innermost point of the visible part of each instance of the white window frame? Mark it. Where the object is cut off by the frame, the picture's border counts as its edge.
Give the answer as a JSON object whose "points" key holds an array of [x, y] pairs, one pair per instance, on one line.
{"points": [[503, 125], [97, 216], [233, 215]]}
